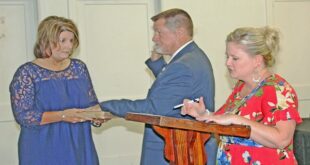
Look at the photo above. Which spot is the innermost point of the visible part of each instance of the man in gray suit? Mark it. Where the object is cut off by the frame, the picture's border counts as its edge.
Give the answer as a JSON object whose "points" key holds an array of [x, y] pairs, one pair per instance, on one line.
{"points": [[188, 74]]}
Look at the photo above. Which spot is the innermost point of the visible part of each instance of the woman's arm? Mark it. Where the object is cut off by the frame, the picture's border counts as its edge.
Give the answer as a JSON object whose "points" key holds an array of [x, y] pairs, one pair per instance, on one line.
{"points": [[22, 95], [278, 136], [68, 115]]}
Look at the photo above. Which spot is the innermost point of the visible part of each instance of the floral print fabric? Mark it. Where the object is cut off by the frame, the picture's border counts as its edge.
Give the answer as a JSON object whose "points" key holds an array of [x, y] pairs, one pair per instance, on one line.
{"points": [[275, 101]]}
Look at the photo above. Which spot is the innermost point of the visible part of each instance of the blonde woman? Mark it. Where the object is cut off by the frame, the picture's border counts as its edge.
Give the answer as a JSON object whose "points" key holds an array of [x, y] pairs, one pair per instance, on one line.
{"points": [[261, 99]]}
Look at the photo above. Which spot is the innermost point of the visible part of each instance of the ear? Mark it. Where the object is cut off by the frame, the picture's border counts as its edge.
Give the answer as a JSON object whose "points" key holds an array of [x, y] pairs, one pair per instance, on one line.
{"points": [[181, 31], [48, 52], [259, 60]]}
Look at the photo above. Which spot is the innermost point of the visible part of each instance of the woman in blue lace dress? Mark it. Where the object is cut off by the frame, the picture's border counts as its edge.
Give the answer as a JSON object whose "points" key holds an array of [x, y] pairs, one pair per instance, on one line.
{"points": [[46, 97]]}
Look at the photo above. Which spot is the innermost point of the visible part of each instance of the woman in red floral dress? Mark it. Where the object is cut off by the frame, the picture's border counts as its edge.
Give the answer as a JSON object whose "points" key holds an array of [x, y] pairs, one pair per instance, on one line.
{"points": [[261, 99]]}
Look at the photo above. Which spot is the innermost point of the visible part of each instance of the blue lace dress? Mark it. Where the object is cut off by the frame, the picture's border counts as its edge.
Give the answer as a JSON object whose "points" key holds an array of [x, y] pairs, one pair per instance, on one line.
{"points": [[35, 90]]}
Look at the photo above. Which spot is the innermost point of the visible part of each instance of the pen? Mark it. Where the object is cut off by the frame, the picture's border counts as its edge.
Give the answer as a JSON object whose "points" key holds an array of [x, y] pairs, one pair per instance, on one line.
{"points": [[181, 105]]}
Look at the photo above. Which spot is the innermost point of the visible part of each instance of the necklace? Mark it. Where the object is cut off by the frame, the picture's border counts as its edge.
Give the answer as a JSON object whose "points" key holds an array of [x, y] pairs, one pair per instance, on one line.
{"points": [[247, 97]]}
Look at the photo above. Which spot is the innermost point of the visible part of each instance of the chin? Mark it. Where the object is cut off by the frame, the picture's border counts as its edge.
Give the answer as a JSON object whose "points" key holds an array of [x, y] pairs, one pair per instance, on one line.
{"points": [[65, 56], [159, 51], [232, 75]]}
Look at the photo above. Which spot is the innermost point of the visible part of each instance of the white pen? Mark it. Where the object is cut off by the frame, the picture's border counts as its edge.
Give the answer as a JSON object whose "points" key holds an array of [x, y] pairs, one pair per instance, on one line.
{"points": [[181, 105]]}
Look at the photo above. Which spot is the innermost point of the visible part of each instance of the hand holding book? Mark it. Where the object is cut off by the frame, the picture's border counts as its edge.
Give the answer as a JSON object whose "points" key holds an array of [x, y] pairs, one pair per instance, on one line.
{"points": [[96, 115]]}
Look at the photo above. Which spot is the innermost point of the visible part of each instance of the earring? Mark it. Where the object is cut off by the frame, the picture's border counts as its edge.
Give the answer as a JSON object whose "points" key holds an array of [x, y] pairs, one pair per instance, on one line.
{"points": [[256, 77]]}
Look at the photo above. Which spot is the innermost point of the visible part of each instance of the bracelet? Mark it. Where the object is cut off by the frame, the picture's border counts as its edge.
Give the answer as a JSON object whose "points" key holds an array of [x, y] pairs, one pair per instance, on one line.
{"points": [[205, 112], [208, 112], [96, 124], [63, 116]]}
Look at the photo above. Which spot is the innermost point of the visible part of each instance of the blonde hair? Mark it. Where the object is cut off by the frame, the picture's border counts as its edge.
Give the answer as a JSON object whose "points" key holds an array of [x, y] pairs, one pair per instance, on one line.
{"points": [[257, 41], [48, 35]]}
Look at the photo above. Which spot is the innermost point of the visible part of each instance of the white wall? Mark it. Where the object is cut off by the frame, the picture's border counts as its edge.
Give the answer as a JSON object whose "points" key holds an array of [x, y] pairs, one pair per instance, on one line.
{"points": [[119, 141], [17, 26]]}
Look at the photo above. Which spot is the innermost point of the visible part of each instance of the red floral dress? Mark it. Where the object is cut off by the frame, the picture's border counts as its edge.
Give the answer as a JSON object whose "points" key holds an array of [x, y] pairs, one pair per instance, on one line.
{"points": [[276, 100]]}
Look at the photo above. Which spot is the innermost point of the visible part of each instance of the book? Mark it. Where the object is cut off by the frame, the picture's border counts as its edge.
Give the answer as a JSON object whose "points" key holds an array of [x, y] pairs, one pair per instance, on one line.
{"points": [[96, 114]]}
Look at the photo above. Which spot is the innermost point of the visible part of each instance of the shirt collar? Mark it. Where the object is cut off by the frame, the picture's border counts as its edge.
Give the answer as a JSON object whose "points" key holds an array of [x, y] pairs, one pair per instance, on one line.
{"points": [[176, 52]]}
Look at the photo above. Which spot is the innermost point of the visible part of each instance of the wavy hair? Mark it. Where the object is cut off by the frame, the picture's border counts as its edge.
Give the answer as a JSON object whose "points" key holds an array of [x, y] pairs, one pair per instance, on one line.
{"points": [[48, 35]]}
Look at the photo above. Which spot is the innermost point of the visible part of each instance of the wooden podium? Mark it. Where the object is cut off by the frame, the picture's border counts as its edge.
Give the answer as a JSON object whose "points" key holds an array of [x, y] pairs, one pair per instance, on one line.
{"points": [[184, 139]]}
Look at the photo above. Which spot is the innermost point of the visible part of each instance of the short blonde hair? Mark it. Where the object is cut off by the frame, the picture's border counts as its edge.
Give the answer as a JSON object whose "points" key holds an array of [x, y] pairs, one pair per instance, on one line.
{"points": [[48, 35], [257, 41]]}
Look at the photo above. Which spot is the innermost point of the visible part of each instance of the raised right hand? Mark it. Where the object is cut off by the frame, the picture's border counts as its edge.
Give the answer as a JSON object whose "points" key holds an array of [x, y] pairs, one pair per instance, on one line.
{"points": [[155, 56]]}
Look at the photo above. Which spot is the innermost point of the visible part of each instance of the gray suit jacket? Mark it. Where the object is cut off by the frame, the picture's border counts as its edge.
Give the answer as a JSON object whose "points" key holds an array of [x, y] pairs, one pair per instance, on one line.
{"points": [[189, 75]]}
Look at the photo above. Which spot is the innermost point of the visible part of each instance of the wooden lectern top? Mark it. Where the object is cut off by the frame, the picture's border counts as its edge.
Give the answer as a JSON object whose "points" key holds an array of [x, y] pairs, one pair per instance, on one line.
{"points": [[186, 124], [184, 138]]}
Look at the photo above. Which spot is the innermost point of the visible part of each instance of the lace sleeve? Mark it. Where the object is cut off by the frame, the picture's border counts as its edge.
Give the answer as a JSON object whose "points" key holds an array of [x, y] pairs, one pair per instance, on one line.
{"points": [[22, 96], [91, 92], [81, 69]]}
